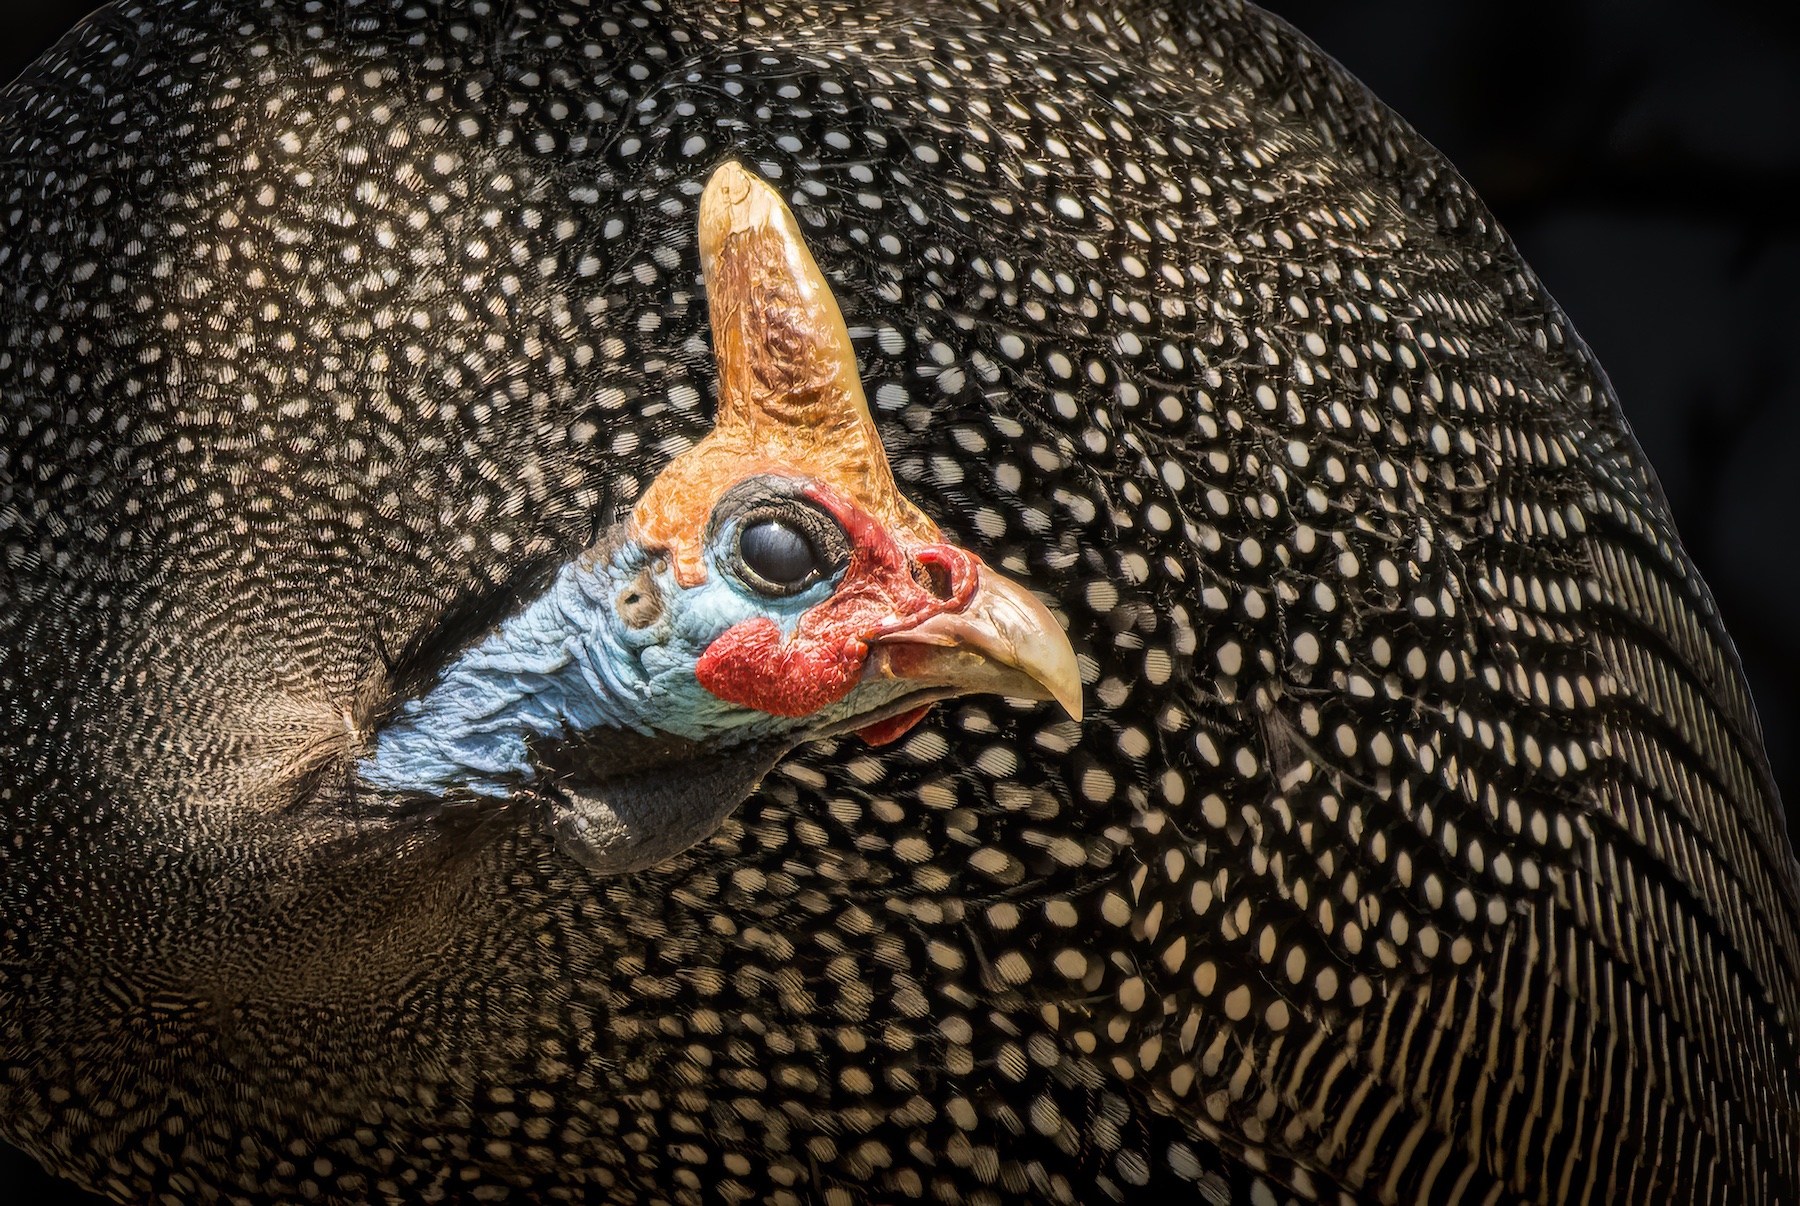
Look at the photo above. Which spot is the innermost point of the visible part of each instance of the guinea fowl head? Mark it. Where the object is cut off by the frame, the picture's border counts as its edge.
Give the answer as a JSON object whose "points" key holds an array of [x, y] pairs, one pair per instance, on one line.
{"points": [[771, 585]]}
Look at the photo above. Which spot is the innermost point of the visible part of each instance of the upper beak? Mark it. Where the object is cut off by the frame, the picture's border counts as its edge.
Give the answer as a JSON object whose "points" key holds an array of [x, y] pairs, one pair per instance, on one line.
{"points": [[1004, 642]]}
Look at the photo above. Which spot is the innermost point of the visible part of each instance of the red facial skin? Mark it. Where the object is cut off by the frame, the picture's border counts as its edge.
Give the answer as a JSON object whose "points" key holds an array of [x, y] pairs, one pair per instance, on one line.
{"points": [[893, 728], [753, 664]]}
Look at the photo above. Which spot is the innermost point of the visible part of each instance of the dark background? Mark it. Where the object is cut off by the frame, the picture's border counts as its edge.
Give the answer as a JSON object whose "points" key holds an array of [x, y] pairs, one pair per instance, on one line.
{"points": [[1645, 155]]}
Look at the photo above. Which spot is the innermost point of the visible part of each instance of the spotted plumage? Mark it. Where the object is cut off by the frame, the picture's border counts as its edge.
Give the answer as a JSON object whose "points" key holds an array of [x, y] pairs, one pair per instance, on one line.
{"points": [[1417, 844]]}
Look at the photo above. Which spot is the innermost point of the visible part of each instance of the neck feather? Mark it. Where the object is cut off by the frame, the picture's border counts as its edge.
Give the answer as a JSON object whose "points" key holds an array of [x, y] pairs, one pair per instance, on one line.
{"points": [[559, 666]]}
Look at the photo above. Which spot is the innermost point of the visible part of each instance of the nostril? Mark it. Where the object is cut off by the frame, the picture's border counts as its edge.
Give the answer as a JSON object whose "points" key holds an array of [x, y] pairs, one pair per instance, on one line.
{"points": [[935, 578], [947, 573]]}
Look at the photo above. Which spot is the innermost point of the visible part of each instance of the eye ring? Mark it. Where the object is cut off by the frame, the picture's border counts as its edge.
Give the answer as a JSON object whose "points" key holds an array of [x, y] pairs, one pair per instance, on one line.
{"points": [[774, 539]]}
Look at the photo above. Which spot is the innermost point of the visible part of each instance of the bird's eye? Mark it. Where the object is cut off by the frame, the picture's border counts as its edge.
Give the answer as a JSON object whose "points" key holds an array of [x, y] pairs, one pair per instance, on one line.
{"points": [[773, 540], [778, 554]]}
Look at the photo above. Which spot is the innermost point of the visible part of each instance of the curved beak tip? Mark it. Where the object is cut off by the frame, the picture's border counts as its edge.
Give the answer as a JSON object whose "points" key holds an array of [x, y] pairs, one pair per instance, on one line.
{"points": [[1028, 638], [1004, 642], [1041, 650], [1065, 683]]}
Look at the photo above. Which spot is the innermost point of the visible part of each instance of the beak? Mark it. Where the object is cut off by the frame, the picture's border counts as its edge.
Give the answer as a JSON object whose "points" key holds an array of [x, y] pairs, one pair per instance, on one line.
{"points": [[1004, 642]]}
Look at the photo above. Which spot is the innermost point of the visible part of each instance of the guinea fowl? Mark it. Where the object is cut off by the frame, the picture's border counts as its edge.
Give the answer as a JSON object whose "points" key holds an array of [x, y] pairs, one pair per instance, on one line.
{"points": [[393, 633]]}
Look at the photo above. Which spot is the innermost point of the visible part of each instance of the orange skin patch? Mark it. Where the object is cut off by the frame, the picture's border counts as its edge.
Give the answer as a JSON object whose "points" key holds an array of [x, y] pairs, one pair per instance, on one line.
{"points": [[754, 664], [790, 398], [791, 403]]}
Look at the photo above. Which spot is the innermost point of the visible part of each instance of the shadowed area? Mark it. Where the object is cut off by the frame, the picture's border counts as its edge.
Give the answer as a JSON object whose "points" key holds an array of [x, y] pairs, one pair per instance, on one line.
{"points": [[951, 869]]}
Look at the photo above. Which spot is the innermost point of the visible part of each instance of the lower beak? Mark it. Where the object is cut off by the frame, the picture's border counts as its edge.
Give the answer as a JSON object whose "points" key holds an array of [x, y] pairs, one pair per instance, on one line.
{"points": [[1004, 642]]}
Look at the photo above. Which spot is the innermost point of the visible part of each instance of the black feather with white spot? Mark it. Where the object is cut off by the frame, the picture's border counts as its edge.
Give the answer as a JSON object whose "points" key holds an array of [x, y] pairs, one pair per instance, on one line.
{"points": [[1418, 846]]}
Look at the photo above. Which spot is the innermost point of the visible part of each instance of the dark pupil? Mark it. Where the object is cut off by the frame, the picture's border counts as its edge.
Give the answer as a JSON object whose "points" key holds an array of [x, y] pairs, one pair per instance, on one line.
{"points": [[776, 552]]}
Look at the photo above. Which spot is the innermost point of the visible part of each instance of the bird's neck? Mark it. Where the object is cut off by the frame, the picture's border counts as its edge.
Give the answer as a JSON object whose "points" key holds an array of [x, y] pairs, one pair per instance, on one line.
{"points": [[564, 664]]}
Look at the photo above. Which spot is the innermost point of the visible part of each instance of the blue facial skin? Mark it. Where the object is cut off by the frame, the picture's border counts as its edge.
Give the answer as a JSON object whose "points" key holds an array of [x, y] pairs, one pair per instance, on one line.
{"points": [[569, 663]]}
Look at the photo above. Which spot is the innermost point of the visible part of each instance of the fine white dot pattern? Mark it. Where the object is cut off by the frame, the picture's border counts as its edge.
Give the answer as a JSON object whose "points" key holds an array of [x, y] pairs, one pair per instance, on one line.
{"points": [[1418, 845]]}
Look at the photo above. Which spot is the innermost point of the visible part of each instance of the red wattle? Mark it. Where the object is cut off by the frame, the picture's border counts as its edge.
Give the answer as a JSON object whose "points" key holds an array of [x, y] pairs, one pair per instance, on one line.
{"points": [[893, 728], [751, 664], [821, 660]]}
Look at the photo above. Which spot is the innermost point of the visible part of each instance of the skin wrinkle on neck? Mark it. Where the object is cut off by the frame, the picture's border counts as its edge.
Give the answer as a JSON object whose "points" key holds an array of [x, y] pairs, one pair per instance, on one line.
{"points": [[568, 664]]}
